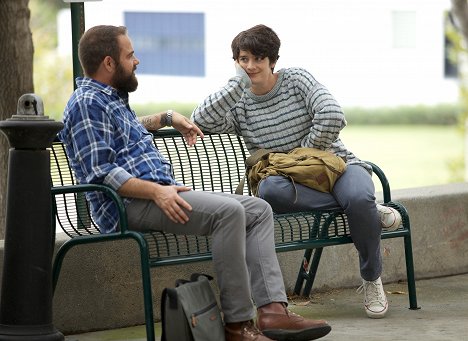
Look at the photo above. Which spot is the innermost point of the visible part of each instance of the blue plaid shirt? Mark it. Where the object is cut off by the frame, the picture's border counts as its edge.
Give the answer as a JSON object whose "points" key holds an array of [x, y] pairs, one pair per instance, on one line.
{"points": [[107, 144]]}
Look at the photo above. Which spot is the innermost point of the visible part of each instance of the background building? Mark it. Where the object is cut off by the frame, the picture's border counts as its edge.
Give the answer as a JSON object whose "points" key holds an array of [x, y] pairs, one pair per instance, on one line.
{"points": [[368, 53]]}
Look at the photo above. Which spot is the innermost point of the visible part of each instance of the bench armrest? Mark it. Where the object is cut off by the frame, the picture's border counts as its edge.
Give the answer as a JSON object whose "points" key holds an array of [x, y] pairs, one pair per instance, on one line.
{"points": [[97, 188], [383, 181]]}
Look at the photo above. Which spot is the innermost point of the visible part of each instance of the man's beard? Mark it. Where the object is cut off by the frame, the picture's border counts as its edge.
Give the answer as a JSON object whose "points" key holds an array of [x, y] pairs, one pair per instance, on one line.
{"points": [[124, 82]]}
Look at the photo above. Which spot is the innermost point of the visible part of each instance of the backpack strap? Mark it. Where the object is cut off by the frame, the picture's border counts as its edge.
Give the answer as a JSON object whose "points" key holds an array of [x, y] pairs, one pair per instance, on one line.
{"points": [[171, 296], [249, 163], [194, 276], [180, 281]]}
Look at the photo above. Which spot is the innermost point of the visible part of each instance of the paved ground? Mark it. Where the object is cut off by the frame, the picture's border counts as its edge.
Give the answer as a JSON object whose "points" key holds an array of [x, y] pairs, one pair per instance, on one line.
{"points": [[443, 314]]}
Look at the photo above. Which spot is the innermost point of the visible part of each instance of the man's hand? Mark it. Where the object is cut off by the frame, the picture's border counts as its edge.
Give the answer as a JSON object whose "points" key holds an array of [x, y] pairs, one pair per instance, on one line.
{"points": [[189, 129], [172, 204], [166, 197]]}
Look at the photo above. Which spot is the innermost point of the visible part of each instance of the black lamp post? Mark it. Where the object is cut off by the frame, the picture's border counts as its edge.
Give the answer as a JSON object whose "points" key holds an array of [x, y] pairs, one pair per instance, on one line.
{"points": [[26, 294]]}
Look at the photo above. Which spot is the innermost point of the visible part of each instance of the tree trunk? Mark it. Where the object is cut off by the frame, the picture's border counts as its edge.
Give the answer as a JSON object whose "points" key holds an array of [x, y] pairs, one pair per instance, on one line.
{"points": [[16, 76], [460, 13]]}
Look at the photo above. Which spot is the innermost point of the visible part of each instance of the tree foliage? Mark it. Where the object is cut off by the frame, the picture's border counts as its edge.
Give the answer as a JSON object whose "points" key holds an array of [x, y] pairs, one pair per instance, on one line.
{"points": [[458, 34], [53, 73]]}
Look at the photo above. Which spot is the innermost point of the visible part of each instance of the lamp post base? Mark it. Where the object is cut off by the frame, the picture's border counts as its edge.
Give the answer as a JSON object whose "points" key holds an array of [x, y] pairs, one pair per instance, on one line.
{"points": [[30, 333]]}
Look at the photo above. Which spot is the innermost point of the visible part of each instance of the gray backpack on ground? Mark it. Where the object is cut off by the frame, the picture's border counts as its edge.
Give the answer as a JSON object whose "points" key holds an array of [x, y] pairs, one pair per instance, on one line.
{"points": [[190, 312]]}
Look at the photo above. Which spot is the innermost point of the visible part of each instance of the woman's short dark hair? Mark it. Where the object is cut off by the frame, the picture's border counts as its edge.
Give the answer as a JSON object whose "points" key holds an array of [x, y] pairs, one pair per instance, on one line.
{"points": [[97, 43], [259, 40]]}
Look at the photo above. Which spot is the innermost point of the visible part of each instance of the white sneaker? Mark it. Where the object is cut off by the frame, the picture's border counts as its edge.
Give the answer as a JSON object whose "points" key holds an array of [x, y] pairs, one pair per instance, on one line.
{"points": [[375, 301], [390, 217]]}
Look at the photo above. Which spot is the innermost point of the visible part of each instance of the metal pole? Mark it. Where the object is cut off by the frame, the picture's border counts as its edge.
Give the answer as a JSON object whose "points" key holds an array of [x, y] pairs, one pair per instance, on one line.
{"points": [[26, 294], [78, 27]]}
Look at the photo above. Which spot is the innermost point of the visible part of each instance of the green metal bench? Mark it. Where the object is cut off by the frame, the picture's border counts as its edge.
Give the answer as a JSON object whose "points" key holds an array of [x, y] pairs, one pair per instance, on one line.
{"points": [[215, 163]]}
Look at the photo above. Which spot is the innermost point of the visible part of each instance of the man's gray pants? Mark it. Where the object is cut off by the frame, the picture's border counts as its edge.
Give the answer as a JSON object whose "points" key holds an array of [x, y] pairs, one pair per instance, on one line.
{"points": [[243, 248]]}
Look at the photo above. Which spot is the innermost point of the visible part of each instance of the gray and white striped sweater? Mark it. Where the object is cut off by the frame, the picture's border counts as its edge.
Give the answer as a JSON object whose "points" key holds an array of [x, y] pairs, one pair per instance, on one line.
{"points": [[298, 111]]}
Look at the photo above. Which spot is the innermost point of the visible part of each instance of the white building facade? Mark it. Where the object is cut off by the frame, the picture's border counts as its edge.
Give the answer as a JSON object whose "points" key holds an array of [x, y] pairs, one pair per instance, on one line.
{"points": [[368, 53]]}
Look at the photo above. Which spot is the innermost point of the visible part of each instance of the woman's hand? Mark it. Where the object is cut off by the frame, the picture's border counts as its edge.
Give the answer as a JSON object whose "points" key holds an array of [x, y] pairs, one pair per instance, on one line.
{"points": [[244, 76]]}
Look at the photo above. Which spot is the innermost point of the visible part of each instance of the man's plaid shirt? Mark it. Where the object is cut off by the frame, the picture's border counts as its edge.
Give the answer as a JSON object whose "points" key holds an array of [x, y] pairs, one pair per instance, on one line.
{"points": [[106, 144]]}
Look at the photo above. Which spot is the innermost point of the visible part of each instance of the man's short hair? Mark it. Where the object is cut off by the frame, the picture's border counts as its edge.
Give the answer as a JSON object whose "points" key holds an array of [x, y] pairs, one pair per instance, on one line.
{"points": [[97, 43], [259, 40]]}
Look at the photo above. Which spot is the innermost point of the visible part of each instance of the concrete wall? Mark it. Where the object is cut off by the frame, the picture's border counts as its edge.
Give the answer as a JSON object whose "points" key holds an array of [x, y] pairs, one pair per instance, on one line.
{"points": [[100, 285]]}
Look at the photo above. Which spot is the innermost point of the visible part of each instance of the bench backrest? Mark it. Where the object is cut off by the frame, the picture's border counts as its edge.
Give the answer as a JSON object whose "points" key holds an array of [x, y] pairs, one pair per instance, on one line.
{"points": [[72, 209], [215, 163]]}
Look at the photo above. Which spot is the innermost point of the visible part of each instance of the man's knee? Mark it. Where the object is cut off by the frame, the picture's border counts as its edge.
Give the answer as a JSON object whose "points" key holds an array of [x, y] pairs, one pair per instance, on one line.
{"points": [[231, 208]]}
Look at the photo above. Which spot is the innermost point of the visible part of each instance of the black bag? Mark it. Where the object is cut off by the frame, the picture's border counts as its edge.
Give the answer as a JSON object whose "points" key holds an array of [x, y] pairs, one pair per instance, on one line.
{"points": [[190, 312]]}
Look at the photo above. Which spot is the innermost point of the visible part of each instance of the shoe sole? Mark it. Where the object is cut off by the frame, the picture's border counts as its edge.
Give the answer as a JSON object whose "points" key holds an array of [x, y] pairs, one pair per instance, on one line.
{"points": [[373, 315], [297, 335]]}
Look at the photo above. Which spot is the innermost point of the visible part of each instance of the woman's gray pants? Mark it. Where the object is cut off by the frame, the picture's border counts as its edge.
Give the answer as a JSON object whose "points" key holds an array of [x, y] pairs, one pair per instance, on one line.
{"points": [[354, 192]]}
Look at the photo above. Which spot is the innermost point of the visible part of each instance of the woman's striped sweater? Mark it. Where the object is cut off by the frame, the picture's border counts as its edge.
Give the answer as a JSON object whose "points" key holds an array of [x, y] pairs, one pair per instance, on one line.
{"points": [[298, 111]]}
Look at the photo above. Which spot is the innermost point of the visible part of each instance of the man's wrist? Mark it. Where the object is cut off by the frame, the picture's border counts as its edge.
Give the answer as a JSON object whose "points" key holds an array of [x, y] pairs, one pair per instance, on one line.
{"points": [[166, 119], [169, 118]]}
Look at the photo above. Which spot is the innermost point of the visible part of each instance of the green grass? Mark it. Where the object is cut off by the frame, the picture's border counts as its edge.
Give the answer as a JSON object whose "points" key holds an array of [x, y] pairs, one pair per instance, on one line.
{"points": [[410, 156]]}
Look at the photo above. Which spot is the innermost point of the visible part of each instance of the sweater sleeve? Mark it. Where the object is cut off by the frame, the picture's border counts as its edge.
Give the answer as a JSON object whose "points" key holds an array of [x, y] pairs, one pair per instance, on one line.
{"points": [[327, 116], [217, 113]]}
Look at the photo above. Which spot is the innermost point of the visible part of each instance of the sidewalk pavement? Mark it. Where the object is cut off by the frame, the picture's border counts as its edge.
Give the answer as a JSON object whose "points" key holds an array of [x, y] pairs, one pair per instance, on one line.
{"points": [[443, 315]]}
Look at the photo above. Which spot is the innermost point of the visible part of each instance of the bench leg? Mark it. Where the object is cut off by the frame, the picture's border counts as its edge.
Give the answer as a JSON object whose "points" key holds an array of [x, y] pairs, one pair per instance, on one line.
{"points": [[408, 258], [307, 272], [410, 273], [57, 264], [145, 273], [146, 281], [302, 274]]}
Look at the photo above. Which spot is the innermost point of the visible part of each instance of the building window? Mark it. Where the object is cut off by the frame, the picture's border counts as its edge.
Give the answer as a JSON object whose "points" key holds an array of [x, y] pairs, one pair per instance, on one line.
{"points": [[171, 44], [404, 29]]}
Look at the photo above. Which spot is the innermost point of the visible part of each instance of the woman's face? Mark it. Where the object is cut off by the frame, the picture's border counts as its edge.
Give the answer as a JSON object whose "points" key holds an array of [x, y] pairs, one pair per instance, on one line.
{"points": [[258, 69]]}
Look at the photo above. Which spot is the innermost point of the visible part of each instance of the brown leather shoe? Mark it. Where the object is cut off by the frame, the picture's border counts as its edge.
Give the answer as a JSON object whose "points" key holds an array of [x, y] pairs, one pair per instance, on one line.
{"points": [[244, 331], [281, 324]]}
